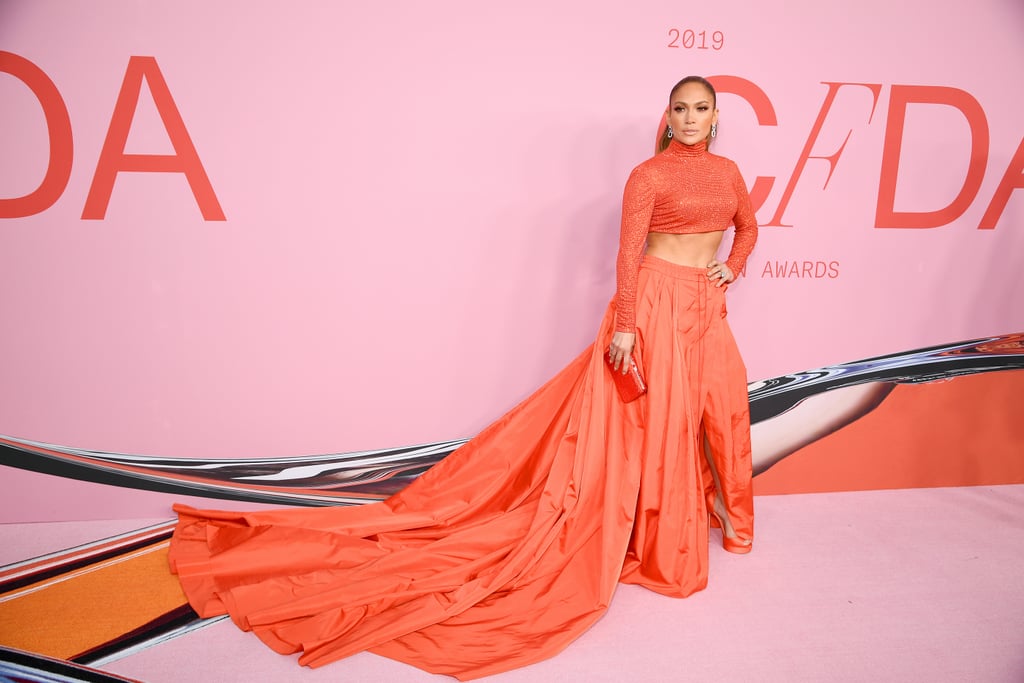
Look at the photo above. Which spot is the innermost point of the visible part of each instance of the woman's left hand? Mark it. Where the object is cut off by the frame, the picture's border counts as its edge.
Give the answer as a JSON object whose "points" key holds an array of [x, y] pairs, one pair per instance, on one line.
{"points": [[719, 273]]}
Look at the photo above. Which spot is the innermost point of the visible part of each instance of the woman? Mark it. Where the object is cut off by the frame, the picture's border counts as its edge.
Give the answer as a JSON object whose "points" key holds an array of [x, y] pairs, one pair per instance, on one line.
{"points": [[507, 550], [680, 203]]}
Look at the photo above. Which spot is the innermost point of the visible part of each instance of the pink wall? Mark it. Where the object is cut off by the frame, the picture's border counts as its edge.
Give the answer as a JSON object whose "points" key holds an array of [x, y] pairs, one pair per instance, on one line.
{"points": [[421, 210]]}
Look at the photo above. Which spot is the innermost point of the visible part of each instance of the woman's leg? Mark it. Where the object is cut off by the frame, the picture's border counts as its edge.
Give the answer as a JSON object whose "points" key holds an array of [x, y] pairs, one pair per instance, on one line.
{"points": [[716, 506], [725, 434]]}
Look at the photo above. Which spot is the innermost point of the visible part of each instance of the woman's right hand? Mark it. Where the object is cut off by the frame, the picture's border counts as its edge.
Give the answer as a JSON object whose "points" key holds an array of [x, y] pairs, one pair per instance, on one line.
{"points": [[620, 349]]}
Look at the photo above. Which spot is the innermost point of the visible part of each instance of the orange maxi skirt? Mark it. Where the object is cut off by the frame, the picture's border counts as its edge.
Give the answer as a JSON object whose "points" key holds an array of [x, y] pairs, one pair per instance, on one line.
{"points": [[508, 549]]}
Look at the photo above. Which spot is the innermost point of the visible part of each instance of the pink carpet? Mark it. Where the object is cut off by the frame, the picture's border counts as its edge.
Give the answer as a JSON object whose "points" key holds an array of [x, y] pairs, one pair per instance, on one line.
{"points": [[907, 585]]}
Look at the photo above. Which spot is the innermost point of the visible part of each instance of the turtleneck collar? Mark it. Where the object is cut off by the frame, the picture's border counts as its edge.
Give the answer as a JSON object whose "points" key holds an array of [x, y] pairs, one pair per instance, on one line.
{"points": [[678, 149]]}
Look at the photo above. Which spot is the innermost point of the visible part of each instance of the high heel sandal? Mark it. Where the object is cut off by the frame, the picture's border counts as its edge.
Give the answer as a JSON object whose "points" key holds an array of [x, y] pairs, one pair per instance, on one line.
{"points": [[738, 545]]}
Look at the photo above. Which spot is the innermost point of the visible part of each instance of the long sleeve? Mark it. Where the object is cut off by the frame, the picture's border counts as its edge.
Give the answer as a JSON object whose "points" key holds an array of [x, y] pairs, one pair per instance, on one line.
{"points": [[637, 207], [746, 226]]}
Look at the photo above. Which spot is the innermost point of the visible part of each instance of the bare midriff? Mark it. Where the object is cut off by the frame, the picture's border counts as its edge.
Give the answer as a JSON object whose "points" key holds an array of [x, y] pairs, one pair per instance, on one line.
{"points": [[677, 204], [697, 249]]}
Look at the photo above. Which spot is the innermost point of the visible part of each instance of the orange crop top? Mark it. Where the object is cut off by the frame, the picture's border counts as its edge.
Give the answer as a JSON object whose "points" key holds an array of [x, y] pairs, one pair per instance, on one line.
{"points": [[683, 190]]}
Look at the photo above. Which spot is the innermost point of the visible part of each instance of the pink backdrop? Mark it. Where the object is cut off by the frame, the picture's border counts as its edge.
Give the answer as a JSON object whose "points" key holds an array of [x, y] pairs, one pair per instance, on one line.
{"points": [[421, 207]]}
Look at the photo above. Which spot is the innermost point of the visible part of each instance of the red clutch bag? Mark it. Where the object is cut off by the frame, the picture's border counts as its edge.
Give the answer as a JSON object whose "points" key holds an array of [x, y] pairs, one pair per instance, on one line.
{"points": [[630, 384]]}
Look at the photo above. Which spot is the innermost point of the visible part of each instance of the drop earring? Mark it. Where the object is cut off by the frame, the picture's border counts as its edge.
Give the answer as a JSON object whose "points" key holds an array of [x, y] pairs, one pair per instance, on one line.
{"points": [[714, 130], [669, 134]]}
